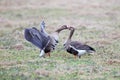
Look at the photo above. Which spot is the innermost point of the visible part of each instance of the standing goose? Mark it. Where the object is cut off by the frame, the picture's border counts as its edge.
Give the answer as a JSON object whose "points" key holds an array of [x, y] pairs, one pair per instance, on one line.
{"points": [[45, 42], [76, 48]]}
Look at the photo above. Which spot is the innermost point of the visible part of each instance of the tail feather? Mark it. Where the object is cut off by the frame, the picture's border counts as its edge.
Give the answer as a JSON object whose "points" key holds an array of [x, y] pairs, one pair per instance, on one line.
{"points": [[92, 49]]}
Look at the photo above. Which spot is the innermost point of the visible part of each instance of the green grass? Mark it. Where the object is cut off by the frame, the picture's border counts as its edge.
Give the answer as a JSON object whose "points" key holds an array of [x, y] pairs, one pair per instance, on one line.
{"points": [[24, 14], [95, 26], [26, 64]]}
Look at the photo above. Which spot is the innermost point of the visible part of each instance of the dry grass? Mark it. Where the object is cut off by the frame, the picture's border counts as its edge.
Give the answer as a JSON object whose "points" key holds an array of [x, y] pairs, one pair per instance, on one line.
{"points": [[96, 22]]}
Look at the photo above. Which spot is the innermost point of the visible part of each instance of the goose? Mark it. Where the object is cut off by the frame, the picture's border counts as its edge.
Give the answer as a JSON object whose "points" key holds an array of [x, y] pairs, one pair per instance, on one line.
{"points": [[75, 47], [41, 39]]}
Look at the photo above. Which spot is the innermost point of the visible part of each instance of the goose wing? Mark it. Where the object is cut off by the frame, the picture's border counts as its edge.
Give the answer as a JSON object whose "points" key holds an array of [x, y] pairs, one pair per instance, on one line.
{"points": [[36, 37], [79, 46], [42, 28]]}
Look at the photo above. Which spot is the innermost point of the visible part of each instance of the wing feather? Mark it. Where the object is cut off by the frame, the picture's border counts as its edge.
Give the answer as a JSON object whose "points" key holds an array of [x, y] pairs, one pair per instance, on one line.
{"points": [[36, 37], [80, 46]]}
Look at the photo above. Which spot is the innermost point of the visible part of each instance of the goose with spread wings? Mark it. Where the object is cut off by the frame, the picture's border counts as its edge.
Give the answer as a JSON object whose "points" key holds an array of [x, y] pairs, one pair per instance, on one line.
{"points": [[41, 39]]}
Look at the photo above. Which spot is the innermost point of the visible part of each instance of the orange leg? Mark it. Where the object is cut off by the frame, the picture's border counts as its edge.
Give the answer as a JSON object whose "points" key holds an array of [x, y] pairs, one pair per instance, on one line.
{"points": [[75, 56], [48, 54]]}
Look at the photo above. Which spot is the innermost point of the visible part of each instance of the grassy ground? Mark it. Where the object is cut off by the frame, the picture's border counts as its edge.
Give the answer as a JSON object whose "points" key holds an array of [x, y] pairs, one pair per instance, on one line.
{"points": [[96, 22]]}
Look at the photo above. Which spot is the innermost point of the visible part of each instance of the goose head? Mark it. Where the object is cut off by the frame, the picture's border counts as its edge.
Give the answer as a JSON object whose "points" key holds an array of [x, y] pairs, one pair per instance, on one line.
{"points": [[55, 35], [68, 41], [71, 28], [61, 28]]}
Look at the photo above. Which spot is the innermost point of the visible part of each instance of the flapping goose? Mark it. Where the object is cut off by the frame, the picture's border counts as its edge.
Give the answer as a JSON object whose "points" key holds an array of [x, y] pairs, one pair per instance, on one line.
{"points": [[40, 38], [76, 48]]}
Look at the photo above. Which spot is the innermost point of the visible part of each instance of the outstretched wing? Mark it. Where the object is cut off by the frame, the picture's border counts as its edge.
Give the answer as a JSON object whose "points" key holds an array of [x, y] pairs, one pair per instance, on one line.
{"points": [[36, 37], [42, 28]]}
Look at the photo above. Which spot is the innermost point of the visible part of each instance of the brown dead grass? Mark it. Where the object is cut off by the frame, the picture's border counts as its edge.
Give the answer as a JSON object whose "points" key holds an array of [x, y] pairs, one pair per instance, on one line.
{"points": [[42, 72], [113, 61], [8, 63]]}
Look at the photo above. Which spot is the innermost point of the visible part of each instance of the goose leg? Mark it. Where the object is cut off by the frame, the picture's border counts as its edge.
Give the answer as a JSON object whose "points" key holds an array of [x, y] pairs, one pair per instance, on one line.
{"points": [[79, 56], [48, 54], [75, 56]]}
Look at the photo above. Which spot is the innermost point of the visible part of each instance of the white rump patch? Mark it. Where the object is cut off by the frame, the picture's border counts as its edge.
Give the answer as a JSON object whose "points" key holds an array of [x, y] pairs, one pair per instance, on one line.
{"points": [[42, 53], [80, 52]]}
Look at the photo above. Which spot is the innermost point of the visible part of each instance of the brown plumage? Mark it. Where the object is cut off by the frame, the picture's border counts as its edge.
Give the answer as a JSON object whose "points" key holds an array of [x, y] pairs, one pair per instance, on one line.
{"points": [[76, 48], [54, 40], [41, 39]]}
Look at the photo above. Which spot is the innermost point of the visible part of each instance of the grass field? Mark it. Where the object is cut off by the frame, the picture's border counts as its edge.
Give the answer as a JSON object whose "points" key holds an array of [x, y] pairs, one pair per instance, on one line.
{"points": [[97, 23]]}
